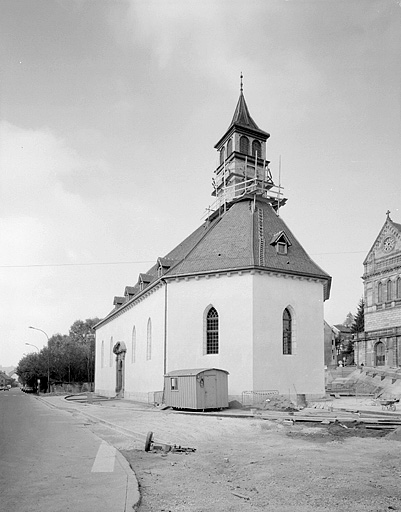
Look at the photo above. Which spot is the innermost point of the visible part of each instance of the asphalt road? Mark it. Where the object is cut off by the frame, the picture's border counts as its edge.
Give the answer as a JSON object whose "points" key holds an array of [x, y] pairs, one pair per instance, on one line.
{"points": [[50, 461]]}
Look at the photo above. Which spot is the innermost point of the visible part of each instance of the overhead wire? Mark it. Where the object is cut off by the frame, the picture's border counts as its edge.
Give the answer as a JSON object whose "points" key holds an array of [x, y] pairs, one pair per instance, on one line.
{"points": [[93, 264]]}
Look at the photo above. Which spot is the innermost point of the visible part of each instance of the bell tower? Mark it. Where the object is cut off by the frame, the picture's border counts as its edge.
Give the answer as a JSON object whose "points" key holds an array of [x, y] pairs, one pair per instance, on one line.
{"points": [[243, 167]]}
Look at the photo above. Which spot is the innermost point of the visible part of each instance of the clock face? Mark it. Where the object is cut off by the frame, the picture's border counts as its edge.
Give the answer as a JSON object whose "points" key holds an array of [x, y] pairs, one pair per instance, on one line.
{"points": [[388, 244]]}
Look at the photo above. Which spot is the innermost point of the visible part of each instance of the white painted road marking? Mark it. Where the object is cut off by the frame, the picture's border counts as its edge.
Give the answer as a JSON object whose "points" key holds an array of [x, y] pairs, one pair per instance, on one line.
{"points": [[104, 462]]}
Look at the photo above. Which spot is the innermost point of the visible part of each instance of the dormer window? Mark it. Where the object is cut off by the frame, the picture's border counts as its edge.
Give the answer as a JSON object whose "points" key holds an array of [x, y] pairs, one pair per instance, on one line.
{"points": [[281, 241], [118, 301], [143, 281], [129, 292], [163, 264]]}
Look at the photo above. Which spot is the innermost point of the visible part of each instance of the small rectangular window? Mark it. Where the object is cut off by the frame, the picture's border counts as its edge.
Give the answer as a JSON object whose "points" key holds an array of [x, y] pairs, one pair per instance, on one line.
{"points": [[174, 384], [281, 248]]}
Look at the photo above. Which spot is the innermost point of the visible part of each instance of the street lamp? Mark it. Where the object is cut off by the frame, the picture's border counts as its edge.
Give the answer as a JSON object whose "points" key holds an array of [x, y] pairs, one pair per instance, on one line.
{"points": [[30, 344], [48, 356]]}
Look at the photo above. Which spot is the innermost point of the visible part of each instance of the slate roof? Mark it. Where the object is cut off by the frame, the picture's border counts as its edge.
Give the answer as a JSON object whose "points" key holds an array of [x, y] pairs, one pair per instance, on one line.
{"points": [[242, 119], [232, 242]]}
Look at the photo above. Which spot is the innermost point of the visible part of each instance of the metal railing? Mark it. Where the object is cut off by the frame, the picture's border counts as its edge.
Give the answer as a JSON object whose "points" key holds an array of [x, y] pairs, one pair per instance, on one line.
{"points": [[257, 397], [155, 397], [248, 186]]}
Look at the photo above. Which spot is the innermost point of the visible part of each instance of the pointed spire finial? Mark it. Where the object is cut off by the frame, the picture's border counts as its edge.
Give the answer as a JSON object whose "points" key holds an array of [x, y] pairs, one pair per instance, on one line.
{"points": [[241, 85]]}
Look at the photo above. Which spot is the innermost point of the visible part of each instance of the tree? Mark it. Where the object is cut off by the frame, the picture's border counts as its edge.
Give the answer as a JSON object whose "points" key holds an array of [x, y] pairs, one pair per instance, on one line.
{"points": [[30, 369], [358, 324], [82, 335], [67, 358]]}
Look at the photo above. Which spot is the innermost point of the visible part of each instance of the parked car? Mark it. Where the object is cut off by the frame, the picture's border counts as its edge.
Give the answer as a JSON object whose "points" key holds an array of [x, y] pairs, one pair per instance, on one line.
{"points": [[3, 388]]}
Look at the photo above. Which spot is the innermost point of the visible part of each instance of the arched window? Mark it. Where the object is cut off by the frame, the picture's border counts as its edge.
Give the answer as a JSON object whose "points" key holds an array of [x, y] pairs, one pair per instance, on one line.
{"points": [[149, 340], [398, 288], [229, 147], [256, 148], [380, 354], [133, 345], [111, 351], [222, 154], [102, 355], [212, 331], [379, 293], [244, 145], [389, 290], [287, 332]]}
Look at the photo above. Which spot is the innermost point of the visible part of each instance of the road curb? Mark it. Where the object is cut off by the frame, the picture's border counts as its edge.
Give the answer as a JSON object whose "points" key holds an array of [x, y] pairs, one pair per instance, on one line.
{"points": [[132, 496]]}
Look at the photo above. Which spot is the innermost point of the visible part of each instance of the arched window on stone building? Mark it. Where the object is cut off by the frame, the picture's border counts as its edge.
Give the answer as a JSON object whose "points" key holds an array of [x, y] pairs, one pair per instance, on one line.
{"points": [[222, 154], [256, 148], [389, 290], [244, 145], [379, 293], [229, 147]]}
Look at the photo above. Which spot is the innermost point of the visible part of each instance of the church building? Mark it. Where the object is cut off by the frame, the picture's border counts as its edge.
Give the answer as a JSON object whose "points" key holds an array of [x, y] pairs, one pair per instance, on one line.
{"points": [[380, 344], [239, 294]]}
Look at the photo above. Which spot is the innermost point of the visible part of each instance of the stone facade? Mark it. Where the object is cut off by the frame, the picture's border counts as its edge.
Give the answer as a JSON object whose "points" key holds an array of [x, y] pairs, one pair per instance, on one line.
{"points": [[380, 344]]}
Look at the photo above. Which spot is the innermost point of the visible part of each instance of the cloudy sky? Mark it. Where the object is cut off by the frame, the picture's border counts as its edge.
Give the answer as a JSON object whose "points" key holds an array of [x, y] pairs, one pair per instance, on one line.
{"points": [[109, 112]]}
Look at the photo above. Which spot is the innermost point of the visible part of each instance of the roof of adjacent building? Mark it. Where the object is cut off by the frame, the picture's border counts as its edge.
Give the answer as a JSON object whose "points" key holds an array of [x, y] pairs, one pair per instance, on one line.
{"points": [[389, 223], [194, 372], [343, 328], [242, 238]]}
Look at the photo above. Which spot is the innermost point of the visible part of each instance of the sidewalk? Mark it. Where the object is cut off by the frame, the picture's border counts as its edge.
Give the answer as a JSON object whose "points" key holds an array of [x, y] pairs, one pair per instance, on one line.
{"points": [[121, 481]]}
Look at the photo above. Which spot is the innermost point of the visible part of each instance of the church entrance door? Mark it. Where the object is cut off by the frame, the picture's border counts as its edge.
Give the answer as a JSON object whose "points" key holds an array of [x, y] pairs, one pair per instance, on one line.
{"points": [[120, 350]]}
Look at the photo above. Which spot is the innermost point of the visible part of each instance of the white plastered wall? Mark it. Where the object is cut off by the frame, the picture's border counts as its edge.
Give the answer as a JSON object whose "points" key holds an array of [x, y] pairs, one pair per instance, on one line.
{"points": [[141, 375], [250, 308], [231, 296], [303, 371]]}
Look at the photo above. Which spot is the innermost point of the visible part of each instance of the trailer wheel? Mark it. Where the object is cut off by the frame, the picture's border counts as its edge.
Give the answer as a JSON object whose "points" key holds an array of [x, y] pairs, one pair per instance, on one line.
{"points": [[148, 441]]}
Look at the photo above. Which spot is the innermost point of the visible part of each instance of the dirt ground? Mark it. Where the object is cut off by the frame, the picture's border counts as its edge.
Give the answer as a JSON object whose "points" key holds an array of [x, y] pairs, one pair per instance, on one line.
{"points": [[249, 464]]}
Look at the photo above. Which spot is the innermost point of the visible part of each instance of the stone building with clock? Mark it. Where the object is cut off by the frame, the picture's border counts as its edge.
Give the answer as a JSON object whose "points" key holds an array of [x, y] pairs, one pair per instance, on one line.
{"points": [[239, 294], [380, 344]]}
